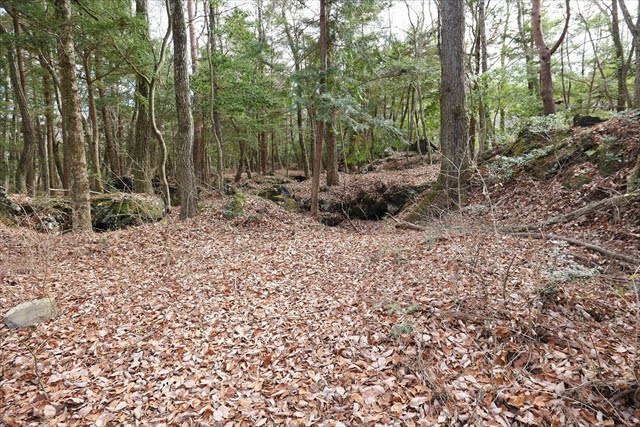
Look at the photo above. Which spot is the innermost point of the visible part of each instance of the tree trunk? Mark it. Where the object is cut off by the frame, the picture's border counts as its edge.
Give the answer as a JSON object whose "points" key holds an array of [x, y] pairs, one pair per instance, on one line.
{"points": [[81, 209], [142, 169], [621, 72], [453, 122], [49, 122], [185, 170], [635, 31], [199, 144], [93, 117], [317, 159], [25, 175], [450, 190], [545, 53], [111, 147], [332, 157], [214, 110]]}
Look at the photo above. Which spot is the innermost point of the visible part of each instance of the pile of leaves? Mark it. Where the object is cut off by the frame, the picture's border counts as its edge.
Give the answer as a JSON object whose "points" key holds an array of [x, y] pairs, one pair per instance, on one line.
{"points": [[283, 320]]}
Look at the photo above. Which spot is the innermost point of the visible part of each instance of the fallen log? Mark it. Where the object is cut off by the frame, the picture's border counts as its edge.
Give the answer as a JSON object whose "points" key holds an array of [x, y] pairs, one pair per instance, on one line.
{"points": [[595, 248]]}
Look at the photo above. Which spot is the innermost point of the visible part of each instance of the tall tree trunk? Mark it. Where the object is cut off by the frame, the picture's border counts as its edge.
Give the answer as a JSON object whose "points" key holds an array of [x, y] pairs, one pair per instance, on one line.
{"points": [[43, 157], [111, 147], [621, 72], [185, 171], [332, 156], [49, 123], [483, 69], [199, 144], [451, 188], [454, 174], [635, 31], [317, 158], [81, 209], [142, 168], [93, 117], [532, 80], [214, 109], [4, 137], [25, 176], [545, 53]]}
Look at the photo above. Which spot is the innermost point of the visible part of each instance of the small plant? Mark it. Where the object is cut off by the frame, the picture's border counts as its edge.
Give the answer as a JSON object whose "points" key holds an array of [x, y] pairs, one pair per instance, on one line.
{"points": [[413, 308], [399, 330], [548, 292], [504, 167], [546, 123], [394, 308]]}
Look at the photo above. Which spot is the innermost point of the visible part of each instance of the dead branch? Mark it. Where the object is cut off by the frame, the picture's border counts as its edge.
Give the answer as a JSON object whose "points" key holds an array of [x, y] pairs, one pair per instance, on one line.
{"points": [[610, 254], [615, 201]]}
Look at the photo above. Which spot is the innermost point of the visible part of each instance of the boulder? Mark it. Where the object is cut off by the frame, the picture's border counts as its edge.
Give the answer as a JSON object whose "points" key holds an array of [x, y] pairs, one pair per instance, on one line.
{"points": [[586, 120], [116, 213], [423, 144], [9, 210], [123, 184], [31, 313]]}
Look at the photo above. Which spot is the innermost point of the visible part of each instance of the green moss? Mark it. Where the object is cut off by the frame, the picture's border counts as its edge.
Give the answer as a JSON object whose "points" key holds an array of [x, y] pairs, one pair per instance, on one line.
{"points": [[234, 206], [433, 202]]}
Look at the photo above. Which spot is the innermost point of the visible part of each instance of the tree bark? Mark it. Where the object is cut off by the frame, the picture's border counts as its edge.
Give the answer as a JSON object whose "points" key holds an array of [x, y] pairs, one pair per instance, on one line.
{"points": [[545, 53], [49, 123], [450, 190], [111, 147], [635, 31], [142, 169], [214, 109], [81, 209], [621, 72], [185, 171], [93, 117], [317, 158], [199, 145], [25, 176]]}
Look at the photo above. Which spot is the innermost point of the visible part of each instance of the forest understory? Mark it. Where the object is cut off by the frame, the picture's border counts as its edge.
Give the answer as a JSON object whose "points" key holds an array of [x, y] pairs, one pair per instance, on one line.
{"points": [[271, 317]]}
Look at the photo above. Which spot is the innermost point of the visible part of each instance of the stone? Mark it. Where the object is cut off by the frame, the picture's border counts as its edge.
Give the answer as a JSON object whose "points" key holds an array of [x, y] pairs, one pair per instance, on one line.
{"points": [[31, 313], [117, 213], [585, 121]]}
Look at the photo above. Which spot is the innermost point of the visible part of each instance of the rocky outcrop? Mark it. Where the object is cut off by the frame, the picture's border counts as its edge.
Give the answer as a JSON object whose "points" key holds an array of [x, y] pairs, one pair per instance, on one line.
{"points": [[109, 213]]}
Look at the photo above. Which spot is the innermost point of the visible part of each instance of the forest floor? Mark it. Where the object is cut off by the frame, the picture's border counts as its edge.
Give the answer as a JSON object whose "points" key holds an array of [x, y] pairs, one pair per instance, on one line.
{"points": [[274, 318]]}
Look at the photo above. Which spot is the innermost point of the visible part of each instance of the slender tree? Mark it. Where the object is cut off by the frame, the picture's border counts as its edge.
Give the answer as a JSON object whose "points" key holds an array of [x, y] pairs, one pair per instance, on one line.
{"points": [[81, 209], [141, 155], [317, 155], [545, 53], [184, 166]]}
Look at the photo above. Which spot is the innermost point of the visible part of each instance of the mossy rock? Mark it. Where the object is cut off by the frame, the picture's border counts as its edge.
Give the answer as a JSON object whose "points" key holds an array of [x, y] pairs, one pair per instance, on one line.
{"points": [[117, 213], [608, 157], [234, 206], [528, 140]]}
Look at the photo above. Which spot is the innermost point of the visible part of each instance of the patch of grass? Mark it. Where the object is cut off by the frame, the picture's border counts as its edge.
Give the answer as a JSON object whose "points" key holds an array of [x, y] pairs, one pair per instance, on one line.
{"points": [[394, 308], [413, 308], [399, 330]]}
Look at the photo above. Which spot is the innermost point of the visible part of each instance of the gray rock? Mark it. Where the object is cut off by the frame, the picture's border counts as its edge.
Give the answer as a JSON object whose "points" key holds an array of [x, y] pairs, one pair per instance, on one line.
{"points": [[31, 313]]}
